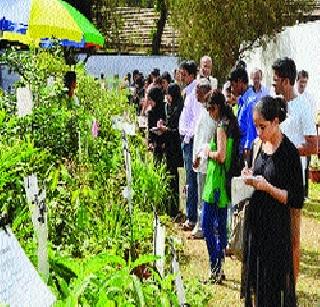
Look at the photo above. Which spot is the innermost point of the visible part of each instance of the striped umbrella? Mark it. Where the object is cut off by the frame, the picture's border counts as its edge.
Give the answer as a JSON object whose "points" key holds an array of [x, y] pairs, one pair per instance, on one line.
{"points": [[32, 21]]}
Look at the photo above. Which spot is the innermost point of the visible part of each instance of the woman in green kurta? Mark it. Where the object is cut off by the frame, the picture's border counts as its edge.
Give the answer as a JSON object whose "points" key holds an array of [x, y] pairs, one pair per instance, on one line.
{"points": [[215, 196]]}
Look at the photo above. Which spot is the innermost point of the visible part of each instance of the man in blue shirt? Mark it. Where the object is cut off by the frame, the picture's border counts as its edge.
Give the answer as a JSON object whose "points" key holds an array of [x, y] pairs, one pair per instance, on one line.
{"points": [[247, 99], [259, 89]]}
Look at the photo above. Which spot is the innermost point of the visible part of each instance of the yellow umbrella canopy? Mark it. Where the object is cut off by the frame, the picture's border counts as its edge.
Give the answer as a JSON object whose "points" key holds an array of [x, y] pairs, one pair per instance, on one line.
{"points": [[46, 19]]}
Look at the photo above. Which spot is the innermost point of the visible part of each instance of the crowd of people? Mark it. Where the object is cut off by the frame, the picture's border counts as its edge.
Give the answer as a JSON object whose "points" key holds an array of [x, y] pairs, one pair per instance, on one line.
{"points": [[211, 130]]}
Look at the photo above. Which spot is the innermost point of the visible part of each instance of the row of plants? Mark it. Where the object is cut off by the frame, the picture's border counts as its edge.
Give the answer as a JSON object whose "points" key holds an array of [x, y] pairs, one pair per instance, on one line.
{"points": [[94, 259], [98, 255]]}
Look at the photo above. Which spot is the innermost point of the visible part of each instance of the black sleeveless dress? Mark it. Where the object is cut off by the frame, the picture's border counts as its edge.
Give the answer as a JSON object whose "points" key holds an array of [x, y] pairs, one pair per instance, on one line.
{"points": [[267, 270]]}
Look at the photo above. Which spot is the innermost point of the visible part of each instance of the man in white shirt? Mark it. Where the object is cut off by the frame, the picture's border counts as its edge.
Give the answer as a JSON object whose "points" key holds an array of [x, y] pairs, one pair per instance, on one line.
{"points": [[204, 130], [298, 125], [188, 119], [302, 83]]}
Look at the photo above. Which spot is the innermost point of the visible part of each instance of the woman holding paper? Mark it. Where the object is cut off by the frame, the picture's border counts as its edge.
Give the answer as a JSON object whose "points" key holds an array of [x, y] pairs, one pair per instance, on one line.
{"points": [[215, 194], [268, 278], [170, 128], [156, 113]]}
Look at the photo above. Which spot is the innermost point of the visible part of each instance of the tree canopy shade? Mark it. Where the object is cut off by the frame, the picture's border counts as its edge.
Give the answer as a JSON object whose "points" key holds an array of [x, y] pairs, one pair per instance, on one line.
{"points": [[224, 29], [110, 22]]}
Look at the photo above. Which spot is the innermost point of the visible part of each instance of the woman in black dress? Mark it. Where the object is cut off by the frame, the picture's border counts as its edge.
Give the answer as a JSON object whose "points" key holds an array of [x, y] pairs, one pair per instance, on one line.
{"points": [[267, 278], [173, 152], [156, 114]]}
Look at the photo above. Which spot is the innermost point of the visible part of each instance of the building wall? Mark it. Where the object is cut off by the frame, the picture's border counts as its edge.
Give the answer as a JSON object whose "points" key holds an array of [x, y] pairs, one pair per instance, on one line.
{"points": [[301, 43]]}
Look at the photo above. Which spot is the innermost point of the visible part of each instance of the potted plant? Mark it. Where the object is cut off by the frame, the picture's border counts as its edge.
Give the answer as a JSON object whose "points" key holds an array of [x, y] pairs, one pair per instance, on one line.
{"points": [[314, 169]]}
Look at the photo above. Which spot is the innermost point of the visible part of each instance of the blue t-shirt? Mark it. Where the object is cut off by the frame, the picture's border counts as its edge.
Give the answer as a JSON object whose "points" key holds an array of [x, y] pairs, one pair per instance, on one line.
{"points": [[248, 131]]}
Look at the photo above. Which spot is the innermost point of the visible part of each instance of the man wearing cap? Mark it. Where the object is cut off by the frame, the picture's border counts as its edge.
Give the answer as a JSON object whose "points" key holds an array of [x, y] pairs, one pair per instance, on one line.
{"points": [[187, 122], [204, 130]]}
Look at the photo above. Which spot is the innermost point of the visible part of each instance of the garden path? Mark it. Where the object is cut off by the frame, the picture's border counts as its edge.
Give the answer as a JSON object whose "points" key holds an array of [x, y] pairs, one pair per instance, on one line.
{"points": [[194, 265]]}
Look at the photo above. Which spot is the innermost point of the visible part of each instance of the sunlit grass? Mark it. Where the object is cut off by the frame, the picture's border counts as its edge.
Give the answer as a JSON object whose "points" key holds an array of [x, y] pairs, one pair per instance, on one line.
{"points": [[194, 261], [312, 205]]}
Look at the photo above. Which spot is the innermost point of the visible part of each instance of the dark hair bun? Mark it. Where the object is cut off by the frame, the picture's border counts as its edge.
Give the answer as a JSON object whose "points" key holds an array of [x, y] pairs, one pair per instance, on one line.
{"points": [[271, 108], [282, 109]]}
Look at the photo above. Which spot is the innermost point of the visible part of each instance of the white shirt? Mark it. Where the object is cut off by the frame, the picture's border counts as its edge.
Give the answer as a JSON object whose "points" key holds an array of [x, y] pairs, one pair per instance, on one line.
{"points": [[315, 108], [299, 121], [203, 132], [190, 113], [213, 81]]}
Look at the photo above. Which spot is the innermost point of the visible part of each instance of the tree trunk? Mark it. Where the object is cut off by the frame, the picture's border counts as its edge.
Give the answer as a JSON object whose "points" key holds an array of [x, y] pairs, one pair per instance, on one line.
{"points": [[157, 36]]}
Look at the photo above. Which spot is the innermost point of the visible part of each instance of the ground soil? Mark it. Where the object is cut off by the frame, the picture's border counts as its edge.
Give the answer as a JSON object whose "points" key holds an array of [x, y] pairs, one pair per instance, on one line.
{"points": [[194, 264]]}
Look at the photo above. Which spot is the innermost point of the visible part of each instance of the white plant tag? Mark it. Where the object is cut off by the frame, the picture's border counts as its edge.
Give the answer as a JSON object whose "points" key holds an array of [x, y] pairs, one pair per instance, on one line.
{"points": [[20, 284], [24, 102], [31, 187]]}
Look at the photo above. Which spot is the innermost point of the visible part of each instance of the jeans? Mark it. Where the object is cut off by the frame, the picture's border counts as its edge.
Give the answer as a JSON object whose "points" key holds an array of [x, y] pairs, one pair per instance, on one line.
{"points": [[215, 233], [201, 182], [191, 181]]}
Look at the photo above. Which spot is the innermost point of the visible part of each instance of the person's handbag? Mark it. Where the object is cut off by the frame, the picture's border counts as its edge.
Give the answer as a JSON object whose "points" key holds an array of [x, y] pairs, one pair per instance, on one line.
{"points": [[236, 242], [239, 220]]}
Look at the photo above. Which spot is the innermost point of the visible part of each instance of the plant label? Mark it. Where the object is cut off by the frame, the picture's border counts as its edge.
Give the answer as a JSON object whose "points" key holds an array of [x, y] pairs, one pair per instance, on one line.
{"points": [[24, 102], [120, 123], [178, 279], [31, 187], [20, 283], [50, 81], [159, 245]]}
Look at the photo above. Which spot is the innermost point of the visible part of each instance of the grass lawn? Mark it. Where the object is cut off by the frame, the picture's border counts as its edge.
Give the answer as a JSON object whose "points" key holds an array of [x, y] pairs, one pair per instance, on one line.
{"points": [[194, 261]]}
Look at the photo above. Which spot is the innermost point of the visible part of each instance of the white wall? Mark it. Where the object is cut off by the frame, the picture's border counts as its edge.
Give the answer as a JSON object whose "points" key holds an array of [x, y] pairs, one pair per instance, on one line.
{"points": [[302, 44], [111, 65]]}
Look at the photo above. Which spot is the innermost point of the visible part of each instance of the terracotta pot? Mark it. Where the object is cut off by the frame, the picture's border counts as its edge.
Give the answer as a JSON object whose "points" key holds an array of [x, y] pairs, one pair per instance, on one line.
{"points": [[314, 174]]}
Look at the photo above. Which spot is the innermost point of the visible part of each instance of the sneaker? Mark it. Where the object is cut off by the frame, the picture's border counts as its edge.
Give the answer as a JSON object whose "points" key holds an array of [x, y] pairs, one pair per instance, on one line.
{"points": [[197, 233], [228, 251], [223, 275], [187, 225], [215, 278]]}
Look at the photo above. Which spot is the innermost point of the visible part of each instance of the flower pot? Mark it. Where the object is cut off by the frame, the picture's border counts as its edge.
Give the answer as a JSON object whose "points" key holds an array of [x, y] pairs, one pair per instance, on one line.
{"points": [[314, 174], [311, 147]]}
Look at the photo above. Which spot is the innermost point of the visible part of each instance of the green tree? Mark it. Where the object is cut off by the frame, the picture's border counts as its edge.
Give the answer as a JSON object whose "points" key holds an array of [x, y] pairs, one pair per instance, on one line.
{"points": [[162, 7], [110, 22], [225, 29]]}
